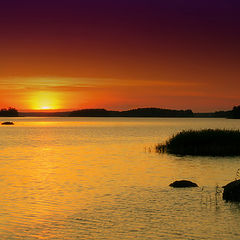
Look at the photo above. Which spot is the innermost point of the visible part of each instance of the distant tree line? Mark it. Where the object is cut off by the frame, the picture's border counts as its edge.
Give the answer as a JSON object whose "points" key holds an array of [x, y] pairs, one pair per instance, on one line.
{"points": [[9, 112], [155, 112], [139, 112], [234, 114]]}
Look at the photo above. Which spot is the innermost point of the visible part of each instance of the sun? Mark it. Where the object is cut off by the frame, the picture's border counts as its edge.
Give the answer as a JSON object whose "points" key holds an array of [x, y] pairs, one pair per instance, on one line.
{"points": [[44, 100], [45, 108]]}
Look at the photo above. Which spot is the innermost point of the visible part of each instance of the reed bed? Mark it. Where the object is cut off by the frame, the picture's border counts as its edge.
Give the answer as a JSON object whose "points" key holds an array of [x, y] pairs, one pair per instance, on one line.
{"points": [[205, 142]]}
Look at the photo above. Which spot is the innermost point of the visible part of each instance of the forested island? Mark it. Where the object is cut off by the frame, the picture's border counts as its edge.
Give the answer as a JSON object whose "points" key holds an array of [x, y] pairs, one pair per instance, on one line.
{"points": [[140, 112], [155, 112]]}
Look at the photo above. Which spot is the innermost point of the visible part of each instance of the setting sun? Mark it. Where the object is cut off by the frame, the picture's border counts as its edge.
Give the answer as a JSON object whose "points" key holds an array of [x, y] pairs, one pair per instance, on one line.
{"points": [[46, 107], [45, 101]]}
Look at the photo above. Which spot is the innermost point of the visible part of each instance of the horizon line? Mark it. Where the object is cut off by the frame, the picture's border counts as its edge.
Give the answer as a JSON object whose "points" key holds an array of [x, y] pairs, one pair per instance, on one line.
{"points": [[79, 109]]}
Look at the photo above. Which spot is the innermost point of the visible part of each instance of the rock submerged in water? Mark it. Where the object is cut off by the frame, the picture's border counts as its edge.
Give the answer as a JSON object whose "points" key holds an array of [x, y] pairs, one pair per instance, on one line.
{"points": [[183, 184], [232, 191]]}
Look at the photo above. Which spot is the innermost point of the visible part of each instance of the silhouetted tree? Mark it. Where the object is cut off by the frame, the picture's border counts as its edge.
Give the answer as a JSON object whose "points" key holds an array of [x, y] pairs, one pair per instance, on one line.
{"points": [[9, 112], [236, 112]]}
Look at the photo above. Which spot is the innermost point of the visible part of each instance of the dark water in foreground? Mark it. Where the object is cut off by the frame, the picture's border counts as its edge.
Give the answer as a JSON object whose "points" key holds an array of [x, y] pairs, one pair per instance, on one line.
{"points": [[99, 178]]}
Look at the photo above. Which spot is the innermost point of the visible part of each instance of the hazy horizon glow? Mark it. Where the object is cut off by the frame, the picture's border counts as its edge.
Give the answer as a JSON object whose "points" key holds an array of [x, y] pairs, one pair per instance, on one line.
{"points": [[119, 54]]}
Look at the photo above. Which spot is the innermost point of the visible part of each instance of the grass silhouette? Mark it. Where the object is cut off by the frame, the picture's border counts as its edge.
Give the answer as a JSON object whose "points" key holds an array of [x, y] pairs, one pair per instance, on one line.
{"points": [[205, 142]]}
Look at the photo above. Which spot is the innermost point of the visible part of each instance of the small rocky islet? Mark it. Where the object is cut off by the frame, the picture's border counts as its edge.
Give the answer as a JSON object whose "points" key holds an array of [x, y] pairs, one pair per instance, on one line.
{"points": [[7, 123]]}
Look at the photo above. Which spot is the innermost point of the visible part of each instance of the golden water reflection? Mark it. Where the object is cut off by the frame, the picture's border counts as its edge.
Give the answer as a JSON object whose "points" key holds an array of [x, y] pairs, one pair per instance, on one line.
{"points": [[95, 180]]}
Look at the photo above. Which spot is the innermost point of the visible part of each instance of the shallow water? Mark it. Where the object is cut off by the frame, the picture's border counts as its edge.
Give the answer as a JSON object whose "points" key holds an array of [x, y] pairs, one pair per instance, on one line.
{"points": [[100, 178]]}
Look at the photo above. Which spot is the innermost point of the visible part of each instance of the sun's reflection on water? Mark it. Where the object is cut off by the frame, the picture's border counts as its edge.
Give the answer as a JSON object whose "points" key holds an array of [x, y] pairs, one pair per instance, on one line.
{"points": [[94, 180]]}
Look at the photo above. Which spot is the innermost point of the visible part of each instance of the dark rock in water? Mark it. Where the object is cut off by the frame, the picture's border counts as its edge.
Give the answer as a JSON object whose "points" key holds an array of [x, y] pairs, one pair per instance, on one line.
{"points": [[232, 191], [7, 123], [183, 184]]}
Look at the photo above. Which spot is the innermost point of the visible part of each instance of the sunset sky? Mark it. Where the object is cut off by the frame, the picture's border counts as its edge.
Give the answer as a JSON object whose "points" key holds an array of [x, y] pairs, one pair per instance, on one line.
{"points": [[120, 54]]}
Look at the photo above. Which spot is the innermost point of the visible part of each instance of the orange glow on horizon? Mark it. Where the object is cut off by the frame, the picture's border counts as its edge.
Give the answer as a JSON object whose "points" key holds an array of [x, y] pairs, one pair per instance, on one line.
{"points": [[45, 101], [67, 93]]}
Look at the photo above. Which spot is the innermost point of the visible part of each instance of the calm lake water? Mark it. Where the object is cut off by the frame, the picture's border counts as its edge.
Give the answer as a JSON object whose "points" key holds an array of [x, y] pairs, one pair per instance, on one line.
{"points": [[100, 178]]}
